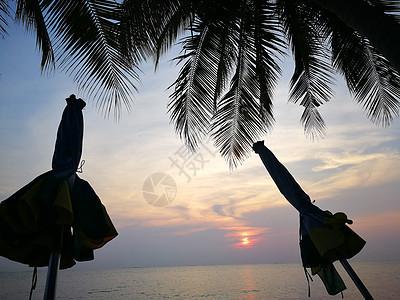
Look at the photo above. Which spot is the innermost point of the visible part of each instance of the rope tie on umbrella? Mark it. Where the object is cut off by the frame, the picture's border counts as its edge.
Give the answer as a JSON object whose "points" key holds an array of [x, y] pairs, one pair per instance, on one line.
{"points": [[34, 281], [308, 277], [79, 169]]}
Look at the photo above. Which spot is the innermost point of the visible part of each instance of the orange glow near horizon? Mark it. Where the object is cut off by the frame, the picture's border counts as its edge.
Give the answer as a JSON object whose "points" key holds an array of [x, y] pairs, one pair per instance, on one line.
{"points": [[245, 237], [245, 241]]}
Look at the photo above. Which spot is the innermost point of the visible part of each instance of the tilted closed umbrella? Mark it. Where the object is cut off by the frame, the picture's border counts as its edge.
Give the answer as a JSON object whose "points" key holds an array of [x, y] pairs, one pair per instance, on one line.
{"points": [[324, 237], [36, 221]]}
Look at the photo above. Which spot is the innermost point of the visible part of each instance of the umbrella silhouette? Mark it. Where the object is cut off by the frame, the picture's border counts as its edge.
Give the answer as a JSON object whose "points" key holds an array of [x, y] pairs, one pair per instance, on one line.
{"points": [[57, 219], [324, 237]]}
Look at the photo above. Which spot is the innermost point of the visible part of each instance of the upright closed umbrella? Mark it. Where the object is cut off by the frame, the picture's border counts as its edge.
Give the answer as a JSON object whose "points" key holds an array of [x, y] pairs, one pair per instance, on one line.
{"points": [[324, 237], [56, 218]]}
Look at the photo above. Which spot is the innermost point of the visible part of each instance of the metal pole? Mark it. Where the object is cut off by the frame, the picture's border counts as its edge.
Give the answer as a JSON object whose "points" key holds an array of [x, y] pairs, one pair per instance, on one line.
{"points": [[54, 264], [52, 274], [357, 281]]}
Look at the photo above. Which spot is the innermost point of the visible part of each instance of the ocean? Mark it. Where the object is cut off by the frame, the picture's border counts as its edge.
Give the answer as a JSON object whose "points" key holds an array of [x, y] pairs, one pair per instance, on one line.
{"points": [[262, 281]]}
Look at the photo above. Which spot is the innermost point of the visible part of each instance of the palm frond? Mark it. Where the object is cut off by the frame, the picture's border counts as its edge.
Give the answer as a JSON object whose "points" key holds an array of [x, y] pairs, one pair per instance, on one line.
{"points": [[225, 56], [175, 24], [382, 101], [149, 28], [237, 123], [370, 78], [374, 20], [190, 104], [239, 120], [312, 77], [30, 13], [4, 16], [268, 46], [223, 38], [87, 47], [228, 127], [136, 29], [237, 50]]}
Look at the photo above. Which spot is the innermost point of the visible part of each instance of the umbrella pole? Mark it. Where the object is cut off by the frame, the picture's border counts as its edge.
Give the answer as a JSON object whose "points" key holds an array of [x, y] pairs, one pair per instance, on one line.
{"points": [[357, 281], [54, 264], [52, 273]]}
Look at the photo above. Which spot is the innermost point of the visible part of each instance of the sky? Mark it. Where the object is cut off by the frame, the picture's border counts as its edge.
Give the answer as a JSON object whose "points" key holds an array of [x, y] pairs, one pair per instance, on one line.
{"points": [[210, 215]]}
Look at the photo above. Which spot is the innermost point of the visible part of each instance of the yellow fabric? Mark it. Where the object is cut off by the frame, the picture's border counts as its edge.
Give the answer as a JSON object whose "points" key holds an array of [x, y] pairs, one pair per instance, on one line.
{"points": [[94, 243], [62, 204], [326, 239], [29, 208], [335, 240]]}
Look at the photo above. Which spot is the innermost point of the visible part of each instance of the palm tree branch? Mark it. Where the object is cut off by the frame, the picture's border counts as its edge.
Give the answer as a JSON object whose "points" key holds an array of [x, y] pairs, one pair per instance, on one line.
{"points": [[224, 46], [380, 90], [30, 14], [310, 83], [190, 104], [370, 77], [148, 28], [268, 45], [176, 24], [383, 29], [238, 122], [4, 15], [88, 48]]}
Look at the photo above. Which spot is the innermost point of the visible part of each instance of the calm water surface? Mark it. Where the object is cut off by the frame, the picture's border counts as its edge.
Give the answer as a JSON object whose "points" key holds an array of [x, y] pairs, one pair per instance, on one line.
{"points": [[277, 281]]}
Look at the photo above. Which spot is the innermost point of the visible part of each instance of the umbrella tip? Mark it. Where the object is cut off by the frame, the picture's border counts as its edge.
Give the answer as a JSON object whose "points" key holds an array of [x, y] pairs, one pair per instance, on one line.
{"points": [[257, 145], [72, 97]]}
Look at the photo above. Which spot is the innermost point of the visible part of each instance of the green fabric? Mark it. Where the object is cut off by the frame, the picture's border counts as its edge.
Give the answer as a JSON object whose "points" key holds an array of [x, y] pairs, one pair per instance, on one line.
{"points": [[91, 218], [81, 251], [332, 280]]}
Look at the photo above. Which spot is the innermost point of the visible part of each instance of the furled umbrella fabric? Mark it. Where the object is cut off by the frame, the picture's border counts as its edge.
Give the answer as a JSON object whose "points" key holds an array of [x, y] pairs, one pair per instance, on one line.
{"points": [[324, 237], [32, 217]]}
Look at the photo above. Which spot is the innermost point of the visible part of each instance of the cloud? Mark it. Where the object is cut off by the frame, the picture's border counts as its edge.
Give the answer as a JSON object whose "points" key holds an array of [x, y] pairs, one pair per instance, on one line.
{"points": [[362, 170], [333, 161], [219, 209]]}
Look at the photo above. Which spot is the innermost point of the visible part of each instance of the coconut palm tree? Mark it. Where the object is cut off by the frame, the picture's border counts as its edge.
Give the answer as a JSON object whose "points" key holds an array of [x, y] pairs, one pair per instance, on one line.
{"points": [[230, 57], [231, 50]]}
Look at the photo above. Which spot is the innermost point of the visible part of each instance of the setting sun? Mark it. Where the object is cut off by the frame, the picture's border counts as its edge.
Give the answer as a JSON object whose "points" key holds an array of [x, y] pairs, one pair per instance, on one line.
{"points": [[245, 241], [245, 237]]}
